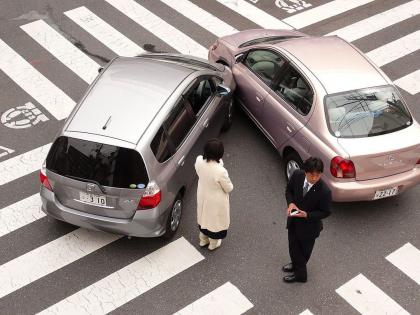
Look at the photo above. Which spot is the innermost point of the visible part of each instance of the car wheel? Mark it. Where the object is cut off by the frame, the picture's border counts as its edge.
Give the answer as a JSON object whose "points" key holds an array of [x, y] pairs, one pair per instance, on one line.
{"points": [[229, 117], [174, 217], [292, 163]]}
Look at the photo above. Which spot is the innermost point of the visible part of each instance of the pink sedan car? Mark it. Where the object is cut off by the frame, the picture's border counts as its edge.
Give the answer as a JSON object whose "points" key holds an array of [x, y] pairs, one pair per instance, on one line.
{"points": [[321, 96]]}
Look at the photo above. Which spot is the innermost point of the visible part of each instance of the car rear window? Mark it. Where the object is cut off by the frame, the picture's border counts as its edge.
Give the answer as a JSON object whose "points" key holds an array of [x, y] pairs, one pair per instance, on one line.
{"points": [[106, 164], [366, 113]]}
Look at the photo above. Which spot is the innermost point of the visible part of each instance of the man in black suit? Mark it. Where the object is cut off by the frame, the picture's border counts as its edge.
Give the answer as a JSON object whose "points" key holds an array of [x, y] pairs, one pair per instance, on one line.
{"points": [[308, 199]]}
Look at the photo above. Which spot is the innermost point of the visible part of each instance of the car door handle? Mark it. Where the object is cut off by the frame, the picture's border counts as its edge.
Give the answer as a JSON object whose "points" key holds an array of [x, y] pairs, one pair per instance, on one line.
{"points": [[289, 129], [258, 98], [181, 161], [206, 123]]}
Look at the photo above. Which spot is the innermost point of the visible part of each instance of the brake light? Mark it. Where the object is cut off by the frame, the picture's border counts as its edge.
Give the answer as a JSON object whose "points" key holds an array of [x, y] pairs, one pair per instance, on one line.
{"points": [[44, 179], [342, 168], [214, 45], [151, 197], [418, 162]]}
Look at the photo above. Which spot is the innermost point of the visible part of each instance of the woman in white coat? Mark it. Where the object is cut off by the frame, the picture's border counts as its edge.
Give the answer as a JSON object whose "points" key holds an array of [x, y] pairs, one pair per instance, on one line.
{"points": [[214, 186]]}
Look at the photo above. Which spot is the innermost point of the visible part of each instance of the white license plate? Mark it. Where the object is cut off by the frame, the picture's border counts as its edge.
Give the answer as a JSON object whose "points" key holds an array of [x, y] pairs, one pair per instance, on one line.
{"points": [[386, 193], [93, 199]]}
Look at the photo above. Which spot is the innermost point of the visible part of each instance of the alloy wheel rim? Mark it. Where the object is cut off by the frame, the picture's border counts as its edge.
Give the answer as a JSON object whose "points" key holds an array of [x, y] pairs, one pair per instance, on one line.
{"points": [[291, 167], [176, 215]]}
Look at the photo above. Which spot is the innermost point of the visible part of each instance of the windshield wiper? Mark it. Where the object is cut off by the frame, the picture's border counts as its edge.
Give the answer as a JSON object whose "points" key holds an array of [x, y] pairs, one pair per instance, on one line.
{"points": [[89, 181]]}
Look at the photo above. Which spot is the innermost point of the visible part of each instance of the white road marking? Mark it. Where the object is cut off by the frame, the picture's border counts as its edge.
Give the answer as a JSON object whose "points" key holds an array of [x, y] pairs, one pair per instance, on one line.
{"points": [[131, 281], [21, 117], [62, 49], [255, 14], [226, 299], [396, 49], [155, 25], [306, 312], [20, 214], [104, 32], [379, 21], [201, 17], [50, 257], [323, 12], [367, 298], [407, 259], [23, 164], [410, 82], [34, 83], [5, 151]]}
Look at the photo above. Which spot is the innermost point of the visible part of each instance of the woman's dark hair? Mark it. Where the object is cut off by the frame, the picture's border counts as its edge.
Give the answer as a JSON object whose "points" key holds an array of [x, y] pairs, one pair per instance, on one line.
{"points": [[213, 150], [313, 164]]}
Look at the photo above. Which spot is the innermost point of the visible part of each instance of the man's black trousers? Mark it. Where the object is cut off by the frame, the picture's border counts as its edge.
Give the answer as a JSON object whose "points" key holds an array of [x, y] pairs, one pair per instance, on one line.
{"points": [[300, 251]]}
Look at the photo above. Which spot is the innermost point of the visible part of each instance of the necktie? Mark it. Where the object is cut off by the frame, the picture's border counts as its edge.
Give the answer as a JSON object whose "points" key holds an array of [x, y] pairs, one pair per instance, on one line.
{"points": [[305, 188]]}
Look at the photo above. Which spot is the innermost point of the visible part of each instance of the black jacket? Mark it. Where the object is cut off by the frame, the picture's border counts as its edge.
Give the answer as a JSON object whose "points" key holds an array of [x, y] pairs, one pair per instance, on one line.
{"points": [[316, 203]]}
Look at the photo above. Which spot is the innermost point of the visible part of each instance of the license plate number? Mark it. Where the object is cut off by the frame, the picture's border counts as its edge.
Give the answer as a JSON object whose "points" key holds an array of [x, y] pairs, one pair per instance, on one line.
{"points": [[93, 199], [386, 193]]}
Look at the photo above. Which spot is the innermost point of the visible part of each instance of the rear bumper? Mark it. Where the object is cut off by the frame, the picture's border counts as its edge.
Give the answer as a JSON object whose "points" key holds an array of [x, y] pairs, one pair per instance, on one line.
{"points": [[144, 223], [365, 190]]}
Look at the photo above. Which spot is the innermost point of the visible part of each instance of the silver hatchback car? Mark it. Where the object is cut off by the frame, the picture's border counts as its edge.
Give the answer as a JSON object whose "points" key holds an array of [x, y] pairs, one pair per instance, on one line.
{"points": [[124, 158]]}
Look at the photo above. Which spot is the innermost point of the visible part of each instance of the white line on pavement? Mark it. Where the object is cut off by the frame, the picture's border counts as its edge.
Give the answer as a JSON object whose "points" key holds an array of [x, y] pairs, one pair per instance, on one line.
{"points": [[104, 32], [255, 14], [154, 24], [20, 214], [379, 21], [407, 259], [225, 300], [50, 257], [410, 82], [367, 298], [201, 17], [34, 83], [62, 49], [131, 281], [306, 312]]}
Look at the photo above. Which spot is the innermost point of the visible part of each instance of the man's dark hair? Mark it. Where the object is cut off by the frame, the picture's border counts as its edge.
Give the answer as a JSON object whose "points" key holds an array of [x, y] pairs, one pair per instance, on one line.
{"points": [[213, 150], [313, 164]]}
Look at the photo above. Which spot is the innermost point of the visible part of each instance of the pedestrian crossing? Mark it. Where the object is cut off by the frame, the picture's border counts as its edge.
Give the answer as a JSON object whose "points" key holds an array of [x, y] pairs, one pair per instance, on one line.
{"points": [[153, 270]]}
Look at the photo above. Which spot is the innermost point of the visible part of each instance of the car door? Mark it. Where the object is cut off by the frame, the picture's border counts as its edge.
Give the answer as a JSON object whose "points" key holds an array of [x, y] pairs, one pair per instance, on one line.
{"points": [[254, 76], [287, 105]]}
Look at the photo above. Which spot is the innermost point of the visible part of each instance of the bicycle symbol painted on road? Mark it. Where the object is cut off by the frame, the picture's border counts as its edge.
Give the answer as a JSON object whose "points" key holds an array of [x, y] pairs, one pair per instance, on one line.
{"points": [[290, 6], [21, 117]]}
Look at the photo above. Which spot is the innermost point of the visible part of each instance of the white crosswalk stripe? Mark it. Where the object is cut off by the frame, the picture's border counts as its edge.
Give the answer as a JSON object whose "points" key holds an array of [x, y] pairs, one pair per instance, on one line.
{"points": [[410, 82], [62, 49], [154, 24], [104, 32], [225, 300], [131, 281], [306, 312], [34, 83], [367, 298], [407, 259]]}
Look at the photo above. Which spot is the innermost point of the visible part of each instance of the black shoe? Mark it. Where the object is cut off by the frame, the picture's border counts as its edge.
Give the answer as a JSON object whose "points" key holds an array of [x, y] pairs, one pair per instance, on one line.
{"points": [[288, 268], [292, 278]]}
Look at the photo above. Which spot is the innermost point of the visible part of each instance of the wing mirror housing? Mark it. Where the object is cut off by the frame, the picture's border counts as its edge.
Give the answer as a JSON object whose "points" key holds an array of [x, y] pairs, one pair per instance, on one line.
{"points": [[222, 90], [239, 58]]}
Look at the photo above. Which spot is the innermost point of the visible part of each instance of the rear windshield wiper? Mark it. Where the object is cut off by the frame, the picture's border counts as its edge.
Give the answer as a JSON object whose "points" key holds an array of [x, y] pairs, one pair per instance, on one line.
{"points": [[89, 181]]}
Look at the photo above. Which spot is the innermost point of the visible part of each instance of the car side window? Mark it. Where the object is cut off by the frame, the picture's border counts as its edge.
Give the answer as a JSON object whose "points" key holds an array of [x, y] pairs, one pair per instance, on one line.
{"points": [[265, 63], [179, 122], [160, 146], [294, 88], [200, 94]]}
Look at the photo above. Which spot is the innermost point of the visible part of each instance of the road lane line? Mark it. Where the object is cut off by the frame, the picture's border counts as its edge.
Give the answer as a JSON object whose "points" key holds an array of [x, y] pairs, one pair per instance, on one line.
{"points": [[379, 21], [395, 49], [103, 32], [19, 214], [367, 298], [131, 281], [62, 49], [155, 25], [306, 312], [255, 14], [410, 82], [23, 164], [54, 100], [407, 259], [201, 17], [225, 300], [50, 257], [323, 12]]}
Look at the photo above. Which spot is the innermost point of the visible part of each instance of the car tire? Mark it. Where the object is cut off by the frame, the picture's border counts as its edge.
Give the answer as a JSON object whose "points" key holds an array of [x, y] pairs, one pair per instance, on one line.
{"points": [[229, 117], [174, 218], [292, 162]]}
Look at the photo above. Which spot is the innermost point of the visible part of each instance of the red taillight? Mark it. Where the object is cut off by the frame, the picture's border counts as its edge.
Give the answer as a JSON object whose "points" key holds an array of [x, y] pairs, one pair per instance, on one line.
{"points": [[342, 168], [151, 197], [44, 179], [418, 162]]}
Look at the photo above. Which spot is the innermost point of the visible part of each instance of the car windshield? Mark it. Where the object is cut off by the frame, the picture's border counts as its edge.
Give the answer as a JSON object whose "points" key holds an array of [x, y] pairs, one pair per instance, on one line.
{"points": [[366, 113]]}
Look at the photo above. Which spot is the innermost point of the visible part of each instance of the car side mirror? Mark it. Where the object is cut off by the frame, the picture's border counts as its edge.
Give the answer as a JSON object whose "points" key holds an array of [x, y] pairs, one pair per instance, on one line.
{"points": [[239, 58], [222, 90], [100, 69]]}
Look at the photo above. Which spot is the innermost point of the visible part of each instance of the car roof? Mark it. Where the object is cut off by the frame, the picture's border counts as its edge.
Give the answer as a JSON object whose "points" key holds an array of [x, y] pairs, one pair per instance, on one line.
{"points": [[127, 96], [337, 64]]}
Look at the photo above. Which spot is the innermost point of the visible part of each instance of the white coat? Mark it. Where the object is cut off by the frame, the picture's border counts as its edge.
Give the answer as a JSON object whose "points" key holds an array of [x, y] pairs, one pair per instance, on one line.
{"points": [[214, 186]]}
